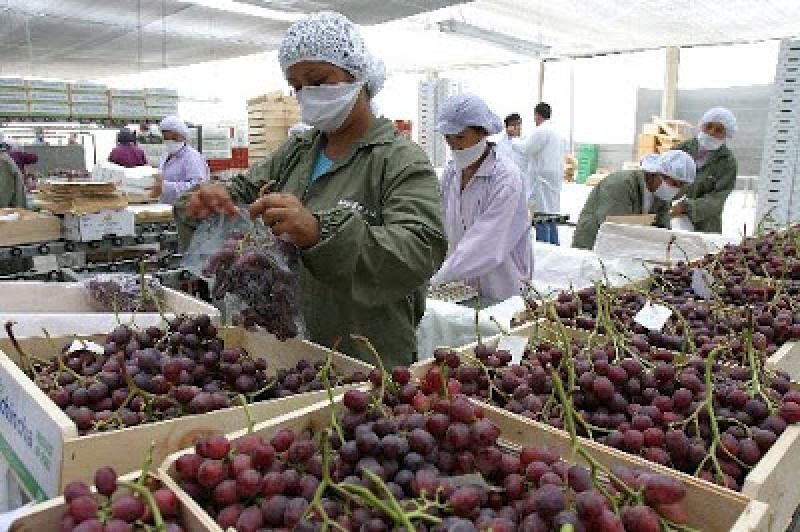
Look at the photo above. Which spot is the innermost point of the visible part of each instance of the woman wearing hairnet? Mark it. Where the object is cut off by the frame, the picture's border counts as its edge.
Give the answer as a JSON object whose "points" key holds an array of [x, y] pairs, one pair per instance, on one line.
{"points": [[484, 205], [716, 171], [357, 197], [182, 167], [649, 190]]}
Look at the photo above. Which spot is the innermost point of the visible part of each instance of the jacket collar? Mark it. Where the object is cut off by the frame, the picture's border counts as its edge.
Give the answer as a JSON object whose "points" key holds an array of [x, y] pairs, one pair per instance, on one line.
{"points": [[486, 169]]}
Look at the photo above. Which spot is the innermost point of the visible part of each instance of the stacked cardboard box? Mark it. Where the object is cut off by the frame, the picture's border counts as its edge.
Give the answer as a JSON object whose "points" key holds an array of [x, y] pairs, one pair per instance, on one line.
{"points": [[88, 100], [48, 98], [13, 97], [128, 104], [160, 103]]}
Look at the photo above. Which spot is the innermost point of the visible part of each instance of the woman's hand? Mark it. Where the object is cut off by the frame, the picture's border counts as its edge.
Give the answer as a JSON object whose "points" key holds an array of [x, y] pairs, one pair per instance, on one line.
{"points": [[209, 199], [285, 215], [678, 209]]}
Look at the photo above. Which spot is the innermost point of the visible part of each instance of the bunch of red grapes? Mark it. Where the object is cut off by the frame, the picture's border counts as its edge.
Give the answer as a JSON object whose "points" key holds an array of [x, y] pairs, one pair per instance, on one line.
{"points": [[658, 412], [261, 280], [408, 457], [150, 375], [118, 505]]}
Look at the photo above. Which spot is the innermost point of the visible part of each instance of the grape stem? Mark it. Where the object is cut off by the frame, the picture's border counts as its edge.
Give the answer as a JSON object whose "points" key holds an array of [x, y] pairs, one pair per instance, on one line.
{"points": [[247, 414], [27, 364], [144, 493]]}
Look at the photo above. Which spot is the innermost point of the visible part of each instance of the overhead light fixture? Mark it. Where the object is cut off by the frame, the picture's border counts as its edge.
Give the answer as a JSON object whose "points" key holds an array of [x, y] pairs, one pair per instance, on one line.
{"points": [[232, 6], [513, 44]]}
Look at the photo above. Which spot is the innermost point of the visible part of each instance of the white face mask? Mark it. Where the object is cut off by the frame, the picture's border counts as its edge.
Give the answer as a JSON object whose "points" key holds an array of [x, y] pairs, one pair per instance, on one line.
{"points": [[326, 107], [467, 156], [173, 146], [666, 192], [708, 143]]}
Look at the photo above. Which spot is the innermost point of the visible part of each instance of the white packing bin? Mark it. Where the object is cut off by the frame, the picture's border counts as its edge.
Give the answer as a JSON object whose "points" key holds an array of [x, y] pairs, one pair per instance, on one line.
{"points": [[65, 309], [97, 225]]}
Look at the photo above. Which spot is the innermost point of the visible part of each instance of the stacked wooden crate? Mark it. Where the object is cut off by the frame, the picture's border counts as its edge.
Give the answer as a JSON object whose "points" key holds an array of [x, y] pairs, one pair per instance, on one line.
{"points": [[661, 135], [269, 118]]}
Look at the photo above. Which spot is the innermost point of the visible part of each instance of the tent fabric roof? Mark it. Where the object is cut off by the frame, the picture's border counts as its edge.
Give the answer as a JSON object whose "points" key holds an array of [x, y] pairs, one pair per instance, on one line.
{"points": [[590, 27]]}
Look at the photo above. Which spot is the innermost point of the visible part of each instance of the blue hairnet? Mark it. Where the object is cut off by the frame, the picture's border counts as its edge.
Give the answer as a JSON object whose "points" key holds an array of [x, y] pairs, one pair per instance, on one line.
{"points": [[464, 110]]}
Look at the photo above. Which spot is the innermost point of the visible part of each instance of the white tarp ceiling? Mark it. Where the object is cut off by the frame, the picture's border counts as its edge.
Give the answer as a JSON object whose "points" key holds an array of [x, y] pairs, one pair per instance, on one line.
{"points": [[587, 27]]}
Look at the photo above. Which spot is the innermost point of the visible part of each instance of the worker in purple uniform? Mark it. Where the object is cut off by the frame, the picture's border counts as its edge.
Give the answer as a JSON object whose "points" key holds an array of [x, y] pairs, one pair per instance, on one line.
{"points": [[182, 167], [484, 205], [21, 158], [127, 153]]}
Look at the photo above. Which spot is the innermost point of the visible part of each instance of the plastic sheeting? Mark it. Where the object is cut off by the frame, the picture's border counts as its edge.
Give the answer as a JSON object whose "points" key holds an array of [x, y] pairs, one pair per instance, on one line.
{"points": [[452, 325], [640, 243]]}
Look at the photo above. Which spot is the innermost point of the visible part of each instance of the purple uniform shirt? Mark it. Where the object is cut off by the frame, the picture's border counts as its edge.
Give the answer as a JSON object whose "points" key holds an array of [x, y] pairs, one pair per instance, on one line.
{"points": [[128, 155], [180, 172], [23, 158], [488, 229]]}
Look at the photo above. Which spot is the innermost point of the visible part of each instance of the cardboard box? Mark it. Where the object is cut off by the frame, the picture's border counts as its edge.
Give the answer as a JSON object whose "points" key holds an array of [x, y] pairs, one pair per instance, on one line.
{"points": [[88, 87], [90, 111], [647, 142], [49, 109], [89, 97], [29, 227], [127, 93], [168, 93], [48, 96], [14, 109], [39, 84], [14, 95], [42, 444], [96, 226], [14, 83]]}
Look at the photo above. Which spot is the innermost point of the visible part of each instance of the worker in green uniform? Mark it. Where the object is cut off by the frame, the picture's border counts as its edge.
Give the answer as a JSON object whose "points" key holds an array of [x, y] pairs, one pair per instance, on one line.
{"points": [[358, 198], [648, 190], [704, 200], [12, 194]]}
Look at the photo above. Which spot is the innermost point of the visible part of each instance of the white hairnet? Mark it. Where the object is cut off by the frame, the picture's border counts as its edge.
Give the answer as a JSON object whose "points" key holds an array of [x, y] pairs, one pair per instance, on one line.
{"points": [[464, 110], [176, 125], [332, 38], [675, 163], [723, 116]]}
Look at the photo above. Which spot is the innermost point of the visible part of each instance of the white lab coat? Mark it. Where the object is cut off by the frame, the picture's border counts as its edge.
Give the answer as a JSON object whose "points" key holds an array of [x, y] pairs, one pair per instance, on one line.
{"points": [[505, 148], [545, 166]]}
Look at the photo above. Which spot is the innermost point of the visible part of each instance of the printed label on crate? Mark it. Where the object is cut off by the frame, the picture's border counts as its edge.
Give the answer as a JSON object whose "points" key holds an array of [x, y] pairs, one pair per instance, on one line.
{"points": [[47, 96], [55, 109], [652, 317], [17, 83], [96, 226], [14, 95], [89, 97], [38, 84], [29, 440]]}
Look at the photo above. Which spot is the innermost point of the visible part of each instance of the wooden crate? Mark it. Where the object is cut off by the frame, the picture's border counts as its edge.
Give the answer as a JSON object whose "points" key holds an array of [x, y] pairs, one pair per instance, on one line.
{"points": [[29, 227], [787, 359], [710, 508], [42, 444], [771, 481], [46, 516]]}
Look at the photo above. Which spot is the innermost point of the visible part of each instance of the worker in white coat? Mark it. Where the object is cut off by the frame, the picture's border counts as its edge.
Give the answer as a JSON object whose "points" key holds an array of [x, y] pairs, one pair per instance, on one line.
{"points": [[545, 158], [483, 205], [513, 123]]}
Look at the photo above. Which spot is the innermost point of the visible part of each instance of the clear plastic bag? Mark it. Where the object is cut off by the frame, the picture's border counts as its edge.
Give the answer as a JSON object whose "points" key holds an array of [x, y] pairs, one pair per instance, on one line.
{"points": [[123, 292], [253, 272]]}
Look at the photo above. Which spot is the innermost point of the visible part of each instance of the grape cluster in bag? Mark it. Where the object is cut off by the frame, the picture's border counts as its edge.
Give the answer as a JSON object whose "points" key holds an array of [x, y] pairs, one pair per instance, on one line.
{"points": [[254, 273]]}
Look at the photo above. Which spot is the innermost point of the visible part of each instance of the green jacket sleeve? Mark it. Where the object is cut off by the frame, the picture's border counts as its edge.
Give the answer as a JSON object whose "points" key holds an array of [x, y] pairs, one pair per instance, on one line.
{"points": [[12, 187], [663, 218], [243, 189], [377, 264], [600, 204], [710, 204]]}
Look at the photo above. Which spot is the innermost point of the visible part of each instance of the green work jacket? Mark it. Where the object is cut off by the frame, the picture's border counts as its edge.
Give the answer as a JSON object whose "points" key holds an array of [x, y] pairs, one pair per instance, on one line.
{"points": [[619, 194], [381, 237], [705, 198]]}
